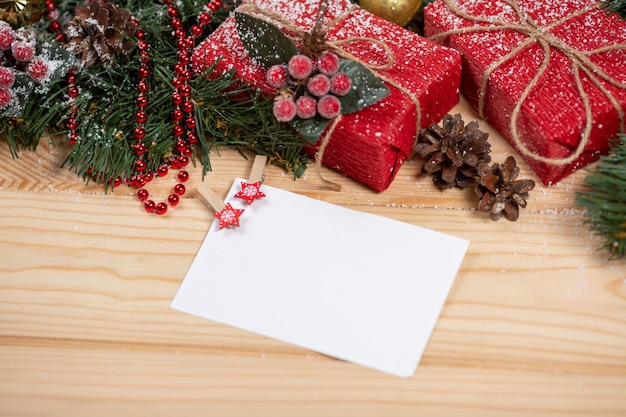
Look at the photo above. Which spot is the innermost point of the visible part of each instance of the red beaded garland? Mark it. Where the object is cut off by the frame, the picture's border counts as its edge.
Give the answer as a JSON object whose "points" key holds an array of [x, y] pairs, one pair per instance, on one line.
{"points": [[185, 124]]}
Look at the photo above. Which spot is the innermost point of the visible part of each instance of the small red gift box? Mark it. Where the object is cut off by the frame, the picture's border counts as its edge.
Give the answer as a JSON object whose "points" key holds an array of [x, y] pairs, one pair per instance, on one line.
{"points": [[542, 111], [371, 144]]}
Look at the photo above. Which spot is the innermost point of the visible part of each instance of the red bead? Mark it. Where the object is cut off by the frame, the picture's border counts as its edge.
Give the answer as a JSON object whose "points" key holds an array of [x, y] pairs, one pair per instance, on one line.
{"points": [[142, 101], [71, 78], [176, 23], [142, 45], [55, 26], [142, 86], [143, 72], [172, 12], [141, 116], [140, 180], [178, 69], [178, 131], [205, 18], [180, 189], [140, 148], [185, 91], [72, 124], [192, 138], [173, 199], [179, 34], [72, 138], [177, 82], [149, 206], [145, 57], [187, 106], [149, 176], [183, 161], [140, 33], [180, 144], [183, 176], [177, 115], [197, 30], [190, 122], [183, 58], [117, 182], [72, 91], [140, 165], [187, 152], [161, 208], [60, 37], [162, 170], [177, 99], [139, 133], [143, 194]]}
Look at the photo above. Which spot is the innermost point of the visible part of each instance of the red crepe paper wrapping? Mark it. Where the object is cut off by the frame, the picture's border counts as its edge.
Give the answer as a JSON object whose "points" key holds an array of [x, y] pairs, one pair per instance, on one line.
{"points": [[370, 145], [551, 119]]}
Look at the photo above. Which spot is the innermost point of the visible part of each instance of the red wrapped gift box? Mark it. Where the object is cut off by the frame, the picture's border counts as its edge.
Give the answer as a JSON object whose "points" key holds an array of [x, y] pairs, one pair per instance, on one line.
{"points": [[370, 145], [549, 126]]}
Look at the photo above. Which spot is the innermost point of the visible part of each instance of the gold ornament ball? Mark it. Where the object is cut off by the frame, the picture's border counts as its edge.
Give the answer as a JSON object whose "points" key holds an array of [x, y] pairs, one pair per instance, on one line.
{"points": [[20, 13], [399, 12]]}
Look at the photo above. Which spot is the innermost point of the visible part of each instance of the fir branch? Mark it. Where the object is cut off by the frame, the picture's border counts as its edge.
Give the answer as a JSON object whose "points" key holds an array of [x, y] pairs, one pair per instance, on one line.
{"points": [[615, 6], [228, 113], [605, 199]]}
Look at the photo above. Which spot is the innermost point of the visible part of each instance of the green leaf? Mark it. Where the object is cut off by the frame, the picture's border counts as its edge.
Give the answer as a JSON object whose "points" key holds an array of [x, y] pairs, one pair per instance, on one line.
{"points": [[264, 42], [366, 90], [59, 58], [310, 129]]}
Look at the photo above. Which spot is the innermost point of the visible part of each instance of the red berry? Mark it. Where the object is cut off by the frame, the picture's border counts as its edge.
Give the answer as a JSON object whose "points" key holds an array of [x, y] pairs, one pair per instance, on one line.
{"points": [[277, 76], [37, 69], [306, 107], [7, 77], [318, 85], [340, 84], [328, 63], [300, 66], [6, 38], [329, 106], [5, 98], [284, 109], [22, 51]]}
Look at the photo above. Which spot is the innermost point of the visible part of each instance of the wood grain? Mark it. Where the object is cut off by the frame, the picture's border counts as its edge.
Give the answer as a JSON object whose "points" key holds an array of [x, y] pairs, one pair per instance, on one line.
{"points": [[535, 323]]}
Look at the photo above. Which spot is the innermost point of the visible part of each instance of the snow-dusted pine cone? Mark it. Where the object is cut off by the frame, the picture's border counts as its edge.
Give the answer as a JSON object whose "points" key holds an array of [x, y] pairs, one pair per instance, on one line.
{"points": [[99, 32]]}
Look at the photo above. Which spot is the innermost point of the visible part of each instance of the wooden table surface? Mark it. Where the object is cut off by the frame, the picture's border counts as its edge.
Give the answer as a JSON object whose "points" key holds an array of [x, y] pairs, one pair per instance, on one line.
{"points": [[535, 323]]}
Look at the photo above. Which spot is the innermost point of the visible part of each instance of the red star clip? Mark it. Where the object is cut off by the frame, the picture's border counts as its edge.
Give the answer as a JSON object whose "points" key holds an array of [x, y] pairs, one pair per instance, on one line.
{"points": [[250, 192], [229, 216]]}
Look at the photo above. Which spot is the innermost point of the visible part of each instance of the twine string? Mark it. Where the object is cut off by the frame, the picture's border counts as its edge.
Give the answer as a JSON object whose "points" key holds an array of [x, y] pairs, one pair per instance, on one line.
{"points": [[547, 41]]}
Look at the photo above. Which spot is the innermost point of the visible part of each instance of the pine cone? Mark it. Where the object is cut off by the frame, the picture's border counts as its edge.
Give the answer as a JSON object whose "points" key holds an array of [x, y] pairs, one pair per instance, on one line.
{"points": [[98, 32], [499, 192], [453, 151]]}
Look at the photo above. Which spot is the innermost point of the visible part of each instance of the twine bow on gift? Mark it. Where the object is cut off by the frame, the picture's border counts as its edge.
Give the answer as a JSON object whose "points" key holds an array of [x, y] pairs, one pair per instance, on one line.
{"points": [[541, 34], [318, 35]]}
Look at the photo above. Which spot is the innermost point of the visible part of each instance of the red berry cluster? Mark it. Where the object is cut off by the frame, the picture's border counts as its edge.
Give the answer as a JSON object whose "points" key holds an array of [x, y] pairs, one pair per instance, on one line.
{"points": [[322, 81], [18, 55]]}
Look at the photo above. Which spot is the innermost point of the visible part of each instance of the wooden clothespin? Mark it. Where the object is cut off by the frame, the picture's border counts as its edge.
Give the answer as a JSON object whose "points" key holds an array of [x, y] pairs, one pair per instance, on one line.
{"points": [[257, 174], [224, 212], [251, 190], [210, 198]]}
